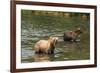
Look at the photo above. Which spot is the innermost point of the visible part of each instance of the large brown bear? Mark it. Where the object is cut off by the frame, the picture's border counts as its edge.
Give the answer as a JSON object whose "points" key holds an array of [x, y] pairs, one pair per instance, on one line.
{"points": [[46, 46], [72, 35]]}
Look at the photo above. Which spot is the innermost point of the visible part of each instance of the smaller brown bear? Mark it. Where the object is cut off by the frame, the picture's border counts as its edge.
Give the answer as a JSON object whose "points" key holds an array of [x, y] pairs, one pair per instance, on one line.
{"points": [[46, 46], [72, 35]]}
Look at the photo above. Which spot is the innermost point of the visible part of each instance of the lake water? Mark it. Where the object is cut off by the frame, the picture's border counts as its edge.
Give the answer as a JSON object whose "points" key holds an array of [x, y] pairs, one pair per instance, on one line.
{"points": [[36, 27]]}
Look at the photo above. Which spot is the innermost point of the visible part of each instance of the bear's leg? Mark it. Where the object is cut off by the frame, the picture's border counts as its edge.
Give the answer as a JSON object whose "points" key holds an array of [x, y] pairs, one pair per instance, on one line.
{"points": [[46, 51], [36, 52], [51, 51], [39, 51], [74, 40]]}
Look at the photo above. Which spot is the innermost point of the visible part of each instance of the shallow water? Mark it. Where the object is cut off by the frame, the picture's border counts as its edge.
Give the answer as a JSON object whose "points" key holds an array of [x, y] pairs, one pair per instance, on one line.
{"points": [[37, 27]]}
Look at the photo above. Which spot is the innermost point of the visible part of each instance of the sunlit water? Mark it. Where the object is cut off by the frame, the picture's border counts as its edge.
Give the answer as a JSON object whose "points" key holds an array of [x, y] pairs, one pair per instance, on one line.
{"points": [[37, 27]]}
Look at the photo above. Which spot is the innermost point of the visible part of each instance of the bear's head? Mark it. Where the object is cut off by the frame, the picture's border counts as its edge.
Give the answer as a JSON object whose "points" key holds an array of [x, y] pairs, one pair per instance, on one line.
{"points": [[78, 31], [53, 41]]}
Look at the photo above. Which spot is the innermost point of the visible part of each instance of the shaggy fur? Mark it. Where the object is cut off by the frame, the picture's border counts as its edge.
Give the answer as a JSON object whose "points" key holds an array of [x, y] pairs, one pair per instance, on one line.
{"points": [[72, 35], [46, 46]]}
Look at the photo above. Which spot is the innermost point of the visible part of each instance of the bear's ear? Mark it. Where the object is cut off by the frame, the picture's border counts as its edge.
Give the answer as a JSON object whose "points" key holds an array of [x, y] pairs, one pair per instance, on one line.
{"points": [[78, 28], [50, 37]]}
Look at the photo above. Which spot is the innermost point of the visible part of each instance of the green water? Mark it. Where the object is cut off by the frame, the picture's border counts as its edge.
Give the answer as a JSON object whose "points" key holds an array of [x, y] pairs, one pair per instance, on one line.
{"points": [[36, 27]]}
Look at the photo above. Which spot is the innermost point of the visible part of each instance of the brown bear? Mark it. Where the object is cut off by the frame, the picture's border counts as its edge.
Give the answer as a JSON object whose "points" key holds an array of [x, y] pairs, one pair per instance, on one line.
{"points": [[46, 46], [72, 35]]}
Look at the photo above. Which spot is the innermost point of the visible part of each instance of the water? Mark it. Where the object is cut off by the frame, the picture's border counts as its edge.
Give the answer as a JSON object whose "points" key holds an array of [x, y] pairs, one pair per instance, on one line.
{"points": [[36, 27]]}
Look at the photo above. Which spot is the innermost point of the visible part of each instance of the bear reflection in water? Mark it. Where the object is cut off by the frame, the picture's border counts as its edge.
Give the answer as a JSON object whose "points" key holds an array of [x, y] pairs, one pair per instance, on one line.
{"points": [[42, 57]]}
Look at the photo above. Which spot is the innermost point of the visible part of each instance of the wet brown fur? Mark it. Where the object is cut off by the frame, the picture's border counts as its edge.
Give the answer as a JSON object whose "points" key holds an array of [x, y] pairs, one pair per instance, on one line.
{"points": [[46, 46], [72, 35]]}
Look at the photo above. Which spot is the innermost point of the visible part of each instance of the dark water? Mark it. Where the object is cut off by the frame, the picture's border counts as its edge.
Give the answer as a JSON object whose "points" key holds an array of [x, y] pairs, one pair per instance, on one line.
{"points": [[37, 27]]}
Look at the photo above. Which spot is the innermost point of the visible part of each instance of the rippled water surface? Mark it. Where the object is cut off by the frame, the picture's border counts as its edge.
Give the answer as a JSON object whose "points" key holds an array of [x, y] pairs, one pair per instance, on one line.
{"points": [[36, 27]]}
